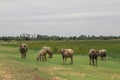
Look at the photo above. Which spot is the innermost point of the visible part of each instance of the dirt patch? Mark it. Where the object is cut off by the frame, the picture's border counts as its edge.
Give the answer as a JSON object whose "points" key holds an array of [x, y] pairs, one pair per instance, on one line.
{"points": [[11, 73], [3, 73], [57, 78], [7, 76], [115, 76]]}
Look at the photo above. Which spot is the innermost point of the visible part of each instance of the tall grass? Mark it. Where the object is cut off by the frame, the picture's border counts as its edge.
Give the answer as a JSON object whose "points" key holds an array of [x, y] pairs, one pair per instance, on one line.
{"points": [[79, 47]]}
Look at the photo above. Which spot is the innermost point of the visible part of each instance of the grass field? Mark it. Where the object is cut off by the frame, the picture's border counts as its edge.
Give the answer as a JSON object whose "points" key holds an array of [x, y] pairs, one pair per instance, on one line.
{"points": [[12, 67]]}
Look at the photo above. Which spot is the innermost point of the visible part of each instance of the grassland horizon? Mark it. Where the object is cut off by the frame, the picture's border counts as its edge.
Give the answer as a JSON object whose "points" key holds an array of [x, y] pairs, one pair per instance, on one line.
{"points": [[14, 68]]}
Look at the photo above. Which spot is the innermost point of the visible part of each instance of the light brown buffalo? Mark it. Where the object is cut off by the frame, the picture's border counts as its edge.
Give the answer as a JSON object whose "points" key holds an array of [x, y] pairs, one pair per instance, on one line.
{"points": [[49, 51], [23, 50], [67, 53], [42, 55], [103, 54]]}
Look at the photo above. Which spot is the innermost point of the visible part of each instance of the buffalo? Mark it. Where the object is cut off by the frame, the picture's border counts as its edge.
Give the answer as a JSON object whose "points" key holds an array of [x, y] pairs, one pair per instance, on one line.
{"points": [[23, 50], [48, 50], [42, 55], [67, 53], [103, 54], [93, 55]]}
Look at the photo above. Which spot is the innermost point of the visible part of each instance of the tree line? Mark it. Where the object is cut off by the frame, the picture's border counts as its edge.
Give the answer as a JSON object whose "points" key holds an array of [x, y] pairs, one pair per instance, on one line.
{"points": [[46, 37]]}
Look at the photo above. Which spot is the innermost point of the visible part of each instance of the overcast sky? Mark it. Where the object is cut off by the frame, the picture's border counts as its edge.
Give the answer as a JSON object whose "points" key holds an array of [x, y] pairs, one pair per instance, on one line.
{"points": [[60, 17]]}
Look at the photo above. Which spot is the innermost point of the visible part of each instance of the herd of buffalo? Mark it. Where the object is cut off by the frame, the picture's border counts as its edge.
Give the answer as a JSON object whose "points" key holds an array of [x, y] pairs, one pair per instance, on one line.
{"points": [[66, 53]]}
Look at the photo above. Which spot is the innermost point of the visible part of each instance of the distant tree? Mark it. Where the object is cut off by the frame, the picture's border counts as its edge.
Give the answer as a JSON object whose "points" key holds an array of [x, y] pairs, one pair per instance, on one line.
{"points": [[46, 37], [42, 37], [55, 38]]}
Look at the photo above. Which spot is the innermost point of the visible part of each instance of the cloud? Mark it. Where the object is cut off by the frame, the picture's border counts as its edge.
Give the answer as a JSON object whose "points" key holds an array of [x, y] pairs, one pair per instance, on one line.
{"points": [[81, 16]]}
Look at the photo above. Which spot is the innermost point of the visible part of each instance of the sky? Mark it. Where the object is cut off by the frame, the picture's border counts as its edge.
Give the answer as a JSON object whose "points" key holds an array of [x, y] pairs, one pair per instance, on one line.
{"points": [[60, 17]]}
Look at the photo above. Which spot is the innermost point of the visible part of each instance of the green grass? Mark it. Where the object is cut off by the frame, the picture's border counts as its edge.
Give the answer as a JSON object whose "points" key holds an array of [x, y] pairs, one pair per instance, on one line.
{"points": [[12, 67]]}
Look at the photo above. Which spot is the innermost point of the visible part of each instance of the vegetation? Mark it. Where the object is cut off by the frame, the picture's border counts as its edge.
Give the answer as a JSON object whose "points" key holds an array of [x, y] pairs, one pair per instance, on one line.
{"points": [[12, 67], [80, 47], [29, 37]]}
